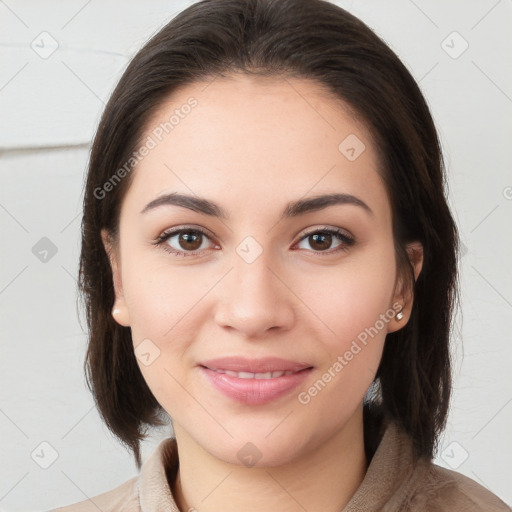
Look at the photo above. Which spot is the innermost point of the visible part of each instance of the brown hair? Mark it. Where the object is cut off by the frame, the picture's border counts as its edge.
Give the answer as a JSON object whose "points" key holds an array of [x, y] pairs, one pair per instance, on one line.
{"points": [[311, 39]]}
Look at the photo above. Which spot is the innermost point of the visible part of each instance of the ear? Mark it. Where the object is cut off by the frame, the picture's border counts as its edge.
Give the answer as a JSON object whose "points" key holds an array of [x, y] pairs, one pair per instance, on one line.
{"points": [[404, 294], [119, 311]]}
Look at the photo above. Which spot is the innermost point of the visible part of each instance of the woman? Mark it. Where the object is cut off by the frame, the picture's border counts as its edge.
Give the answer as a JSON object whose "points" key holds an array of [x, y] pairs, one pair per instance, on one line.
{"points": [[268, 259]]}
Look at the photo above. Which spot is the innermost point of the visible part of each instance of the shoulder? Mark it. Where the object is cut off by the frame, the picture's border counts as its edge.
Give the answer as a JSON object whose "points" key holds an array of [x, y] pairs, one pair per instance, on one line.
{"points": [[124, 498], [438, 489]]}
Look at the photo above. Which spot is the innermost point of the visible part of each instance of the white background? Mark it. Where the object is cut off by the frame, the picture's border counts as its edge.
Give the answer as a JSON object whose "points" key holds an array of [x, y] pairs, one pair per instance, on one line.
{"points": [[49, 111]]}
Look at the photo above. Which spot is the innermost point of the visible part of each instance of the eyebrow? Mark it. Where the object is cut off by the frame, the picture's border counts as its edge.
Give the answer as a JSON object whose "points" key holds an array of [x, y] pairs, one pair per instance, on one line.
{"points": [[292, 209]]}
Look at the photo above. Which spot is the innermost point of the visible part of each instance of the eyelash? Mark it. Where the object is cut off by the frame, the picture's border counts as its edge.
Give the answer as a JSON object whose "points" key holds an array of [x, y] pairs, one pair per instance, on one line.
{"points": [[347, 240]]}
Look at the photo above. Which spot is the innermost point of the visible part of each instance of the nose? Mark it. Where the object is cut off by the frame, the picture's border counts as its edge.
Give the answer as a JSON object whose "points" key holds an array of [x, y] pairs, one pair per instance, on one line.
{"points": [[255, 299]]}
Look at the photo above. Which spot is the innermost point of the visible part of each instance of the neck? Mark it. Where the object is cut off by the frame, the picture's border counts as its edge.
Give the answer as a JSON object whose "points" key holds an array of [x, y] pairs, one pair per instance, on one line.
{"points": [[325, 478]]}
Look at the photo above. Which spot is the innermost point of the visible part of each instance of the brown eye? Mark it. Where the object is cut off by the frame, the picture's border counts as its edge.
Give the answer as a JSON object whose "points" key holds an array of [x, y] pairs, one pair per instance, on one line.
{"points": [[321, 240], [183, 242], [190, 240]]}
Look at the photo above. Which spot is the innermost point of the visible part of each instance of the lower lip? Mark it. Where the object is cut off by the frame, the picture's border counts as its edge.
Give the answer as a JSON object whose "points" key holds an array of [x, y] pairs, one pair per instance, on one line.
{"points": [[255, 391]]}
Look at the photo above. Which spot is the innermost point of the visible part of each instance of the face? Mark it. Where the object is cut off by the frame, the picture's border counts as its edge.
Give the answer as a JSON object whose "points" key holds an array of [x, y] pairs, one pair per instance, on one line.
{"points": [[316, 287]]}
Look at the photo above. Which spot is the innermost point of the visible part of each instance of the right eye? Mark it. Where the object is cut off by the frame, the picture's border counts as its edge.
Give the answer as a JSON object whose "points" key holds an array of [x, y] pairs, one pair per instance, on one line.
{"points": [[182, 241]]}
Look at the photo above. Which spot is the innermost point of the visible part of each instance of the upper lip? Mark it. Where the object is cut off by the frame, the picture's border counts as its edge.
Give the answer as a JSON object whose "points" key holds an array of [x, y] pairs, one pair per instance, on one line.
{"points": [[263, 365]]}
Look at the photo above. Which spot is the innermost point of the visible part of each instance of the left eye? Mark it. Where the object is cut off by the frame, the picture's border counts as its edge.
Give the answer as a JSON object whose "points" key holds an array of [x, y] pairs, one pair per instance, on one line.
{"points": [[323, 238]]}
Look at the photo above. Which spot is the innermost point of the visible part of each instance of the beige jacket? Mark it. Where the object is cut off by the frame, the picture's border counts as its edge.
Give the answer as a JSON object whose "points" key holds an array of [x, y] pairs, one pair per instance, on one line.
{"points": [[392, 484]]}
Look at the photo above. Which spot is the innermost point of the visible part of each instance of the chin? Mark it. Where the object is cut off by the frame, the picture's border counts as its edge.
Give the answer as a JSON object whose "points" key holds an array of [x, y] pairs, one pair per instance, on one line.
{"points": [[254, 447], [256, 455]]}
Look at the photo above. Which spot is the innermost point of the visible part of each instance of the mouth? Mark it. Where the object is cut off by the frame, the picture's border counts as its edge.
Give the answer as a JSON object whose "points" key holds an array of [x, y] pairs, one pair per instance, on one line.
{"points": [[256, 381]]}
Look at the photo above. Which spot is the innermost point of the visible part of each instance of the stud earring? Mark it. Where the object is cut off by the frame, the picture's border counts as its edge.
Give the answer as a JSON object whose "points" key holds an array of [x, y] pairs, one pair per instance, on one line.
{"points": [[115, 311], [399, 315]]}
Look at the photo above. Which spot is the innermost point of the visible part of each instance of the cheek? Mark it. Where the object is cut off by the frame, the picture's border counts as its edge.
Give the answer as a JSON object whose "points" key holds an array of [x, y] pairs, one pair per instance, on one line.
{"points": [[350, 299], [357, 311], [160, 298], [360, 310], [162, 324], [164, 303]]}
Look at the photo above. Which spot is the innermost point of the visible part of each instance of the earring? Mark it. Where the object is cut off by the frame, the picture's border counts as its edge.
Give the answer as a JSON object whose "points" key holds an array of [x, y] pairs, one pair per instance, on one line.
{"points": [[399, 315], [115, 311]]}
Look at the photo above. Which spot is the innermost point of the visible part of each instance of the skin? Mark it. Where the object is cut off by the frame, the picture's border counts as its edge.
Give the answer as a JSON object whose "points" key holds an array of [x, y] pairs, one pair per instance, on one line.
{"points": [[252, 145]]}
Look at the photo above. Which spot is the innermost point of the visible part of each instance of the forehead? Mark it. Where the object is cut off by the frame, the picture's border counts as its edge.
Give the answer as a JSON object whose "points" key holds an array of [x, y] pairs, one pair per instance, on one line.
{"points": [[241, 139]]}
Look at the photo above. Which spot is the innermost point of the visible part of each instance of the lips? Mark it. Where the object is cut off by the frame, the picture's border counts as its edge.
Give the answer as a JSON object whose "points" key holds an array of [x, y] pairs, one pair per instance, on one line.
{"points": [[254, 381], [254, 368]]}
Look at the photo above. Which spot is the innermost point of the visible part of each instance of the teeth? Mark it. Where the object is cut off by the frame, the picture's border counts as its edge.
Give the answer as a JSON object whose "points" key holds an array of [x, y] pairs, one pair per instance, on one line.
{"points": [[249, 375]]}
